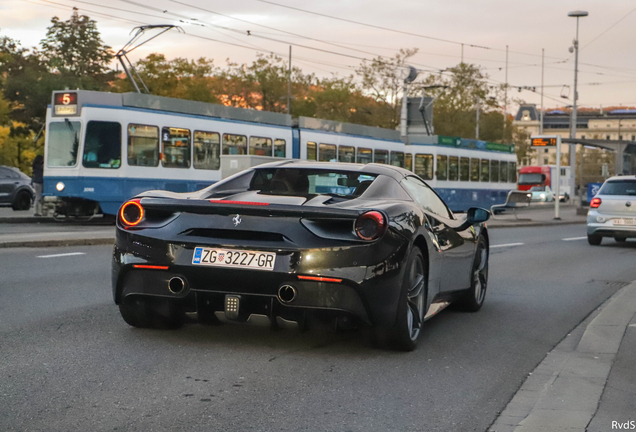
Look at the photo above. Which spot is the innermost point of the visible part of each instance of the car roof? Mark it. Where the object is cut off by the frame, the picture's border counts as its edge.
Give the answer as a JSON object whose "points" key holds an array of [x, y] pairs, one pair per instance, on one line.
{"points": [[622, 177], [372, 168]]}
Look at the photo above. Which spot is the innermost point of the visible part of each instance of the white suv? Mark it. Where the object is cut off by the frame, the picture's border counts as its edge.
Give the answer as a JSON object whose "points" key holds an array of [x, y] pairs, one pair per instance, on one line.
{"points": [[613, 211]]}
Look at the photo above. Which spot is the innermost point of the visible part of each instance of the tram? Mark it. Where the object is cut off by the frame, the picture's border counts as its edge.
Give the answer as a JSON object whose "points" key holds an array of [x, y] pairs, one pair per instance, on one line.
{"points": [[103, 148]]}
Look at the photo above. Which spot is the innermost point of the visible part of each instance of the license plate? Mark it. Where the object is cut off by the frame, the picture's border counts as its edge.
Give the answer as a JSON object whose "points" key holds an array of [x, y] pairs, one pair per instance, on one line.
{"points": [[624, 221], [233, 258]]}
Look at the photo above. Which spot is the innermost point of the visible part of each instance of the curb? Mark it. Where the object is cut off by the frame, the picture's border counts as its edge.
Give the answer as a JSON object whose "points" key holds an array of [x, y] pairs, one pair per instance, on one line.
{"points": [[503, 224], [53, 243], [563, 392], [50, 220]]}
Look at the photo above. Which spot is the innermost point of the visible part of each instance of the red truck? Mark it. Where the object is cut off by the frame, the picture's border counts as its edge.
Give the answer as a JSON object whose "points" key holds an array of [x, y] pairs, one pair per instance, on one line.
{"points": [[543, 176]]}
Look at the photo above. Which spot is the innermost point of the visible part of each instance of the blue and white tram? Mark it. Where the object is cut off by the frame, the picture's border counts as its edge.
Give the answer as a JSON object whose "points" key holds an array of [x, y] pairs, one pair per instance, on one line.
{"points": [[103, 148]]}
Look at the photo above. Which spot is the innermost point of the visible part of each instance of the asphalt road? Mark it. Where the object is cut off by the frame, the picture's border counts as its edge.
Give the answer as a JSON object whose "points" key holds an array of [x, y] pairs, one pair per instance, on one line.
{"points": [[70, 363]]}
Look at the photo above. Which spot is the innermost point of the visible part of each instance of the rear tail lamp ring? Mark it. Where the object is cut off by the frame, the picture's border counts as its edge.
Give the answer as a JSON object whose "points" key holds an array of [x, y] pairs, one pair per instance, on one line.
{"points": [[131, 213], [371, 225], [595, 203]]}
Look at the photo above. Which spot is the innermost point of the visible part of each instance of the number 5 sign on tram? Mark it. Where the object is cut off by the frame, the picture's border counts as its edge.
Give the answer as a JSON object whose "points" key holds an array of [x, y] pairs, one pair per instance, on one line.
{"points": [[65, 104]]}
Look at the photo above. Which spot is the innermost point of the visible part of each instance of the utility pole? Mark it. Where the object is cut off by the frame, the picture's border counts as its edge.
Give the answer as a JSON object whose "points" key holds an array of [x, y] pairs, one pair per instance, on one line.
{"points": [[289, 83], [478, 109], [462, 53], [541, 113], [505, 99]]}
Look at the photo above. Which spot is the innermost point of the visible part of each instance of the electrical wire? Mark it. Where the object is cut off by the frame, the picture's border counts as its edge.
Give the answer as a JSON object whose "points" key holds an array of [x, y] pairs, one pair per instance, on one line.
{"points": [[608, 29]]}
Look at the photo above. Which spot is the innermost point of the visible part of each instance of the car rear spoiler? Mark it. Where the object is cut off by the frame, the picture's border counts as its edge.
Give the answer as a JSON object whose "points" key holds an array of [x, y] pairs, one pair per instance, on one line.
{"points": [[202, 206]]}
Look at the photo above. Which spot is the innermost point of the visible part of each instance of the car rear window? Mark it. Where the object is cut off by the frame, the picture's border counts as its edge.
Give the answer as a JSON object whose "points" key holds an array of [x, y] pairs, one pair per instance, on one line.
{"points": [[304, 182], [619, 187]]}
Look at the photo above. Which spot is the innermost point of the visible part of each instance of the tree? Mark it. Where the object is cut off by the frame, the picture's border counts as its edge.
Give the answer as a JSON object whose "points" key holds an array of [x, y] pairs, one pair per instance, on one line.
{"points": [[74, 47], [383, 80], [178, 78]]}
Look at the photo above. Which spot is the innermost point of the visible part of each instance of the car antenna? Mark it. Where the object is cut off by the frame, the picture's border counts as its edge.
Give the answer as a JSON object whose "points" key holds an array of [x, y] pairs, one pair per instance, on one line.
{"points": [[133, 44]]}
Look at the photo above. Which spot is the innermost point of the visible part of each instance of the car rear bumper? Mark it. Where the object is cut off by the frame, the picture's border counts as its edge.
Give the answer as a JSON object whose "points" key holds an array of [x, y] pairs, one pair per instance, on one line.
{"points": [[367, 292], [604, 225]]}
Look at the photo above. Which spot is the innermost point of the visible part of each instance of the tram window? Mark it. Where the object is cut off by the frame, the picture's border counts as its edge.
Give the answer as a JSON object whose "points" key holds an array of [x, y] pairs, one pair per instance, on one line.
{"points": [[397, 159], [365, 156], [346, 154], [464, 169], [494, 171], [453, 168], [424, 166], [280, 148], [512, 172], [474, 169], [442, 167], [207, 146], [176, 147], [381, 156], [327, 153], [312, 151], [408, 161], [261, 146], [485, 170], [234, 144], [102, 145], [63, 143], [503, 172], [143, 145]]}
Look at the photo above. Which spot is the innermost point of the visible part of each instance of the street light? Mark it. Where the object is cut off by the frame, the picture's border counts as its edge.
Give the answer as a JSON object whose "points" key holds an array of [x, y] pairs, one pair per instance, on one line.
{"points": [[576, 14]]}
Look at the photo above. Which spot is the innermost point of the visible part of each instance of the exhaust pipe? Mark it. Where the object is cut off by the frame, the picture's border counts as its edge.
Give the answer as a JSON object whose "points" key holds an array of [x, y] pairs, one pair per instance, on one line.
{"points": [[287, 293], [176, 285]]}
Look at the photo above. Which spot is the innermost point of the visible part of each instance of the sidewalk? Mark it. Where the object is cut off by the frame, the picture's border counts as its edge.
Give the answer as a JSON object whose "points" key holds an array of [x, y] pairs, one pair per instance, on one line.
{"points": [[586, 383], [537, 215]]}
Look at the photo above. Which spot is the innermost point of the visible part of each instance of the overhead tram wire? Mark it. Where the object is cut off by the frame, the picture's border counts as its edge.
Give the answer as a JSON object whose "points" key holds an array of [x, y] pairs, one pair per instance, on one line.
{"points": [[400, 31], [101, 14], [609, 28], [267, 27], [96, 13]]}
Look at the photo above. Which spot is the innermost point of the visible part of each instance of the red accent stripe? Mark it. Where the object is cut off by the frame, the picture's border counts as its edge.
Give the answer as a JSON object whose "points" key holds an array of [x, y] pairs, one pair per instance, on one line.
{"points": [[151, 267], [319, 279], [239, 202]]}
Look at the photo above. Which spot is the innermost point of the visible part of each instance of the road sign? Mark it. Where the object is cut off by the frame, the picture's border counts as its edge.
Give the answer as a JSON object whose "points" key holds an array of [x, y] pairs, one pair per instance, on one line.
{"points": [[543, 141], [552, 141], [592, 190]]}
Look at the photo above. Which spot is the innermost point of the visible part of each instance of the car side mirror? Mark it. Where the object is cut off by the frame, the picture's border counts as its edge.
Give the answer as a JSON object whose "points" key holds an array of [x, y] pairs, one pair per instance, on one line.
{"points": [[476, 215]]}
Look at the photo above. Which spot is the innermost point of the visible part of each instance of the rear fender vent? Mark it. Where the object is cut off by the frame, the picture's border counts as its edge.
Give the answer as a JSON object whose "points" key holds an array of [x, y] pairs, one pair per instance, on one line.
{"points": [[235, 234], [335, 229]]}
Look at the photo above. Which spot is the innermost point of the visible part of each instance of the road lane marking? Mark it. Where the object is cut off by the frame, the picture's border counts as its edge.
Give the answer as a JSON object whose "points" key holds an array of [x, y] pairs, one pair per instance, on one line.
{"points": [[62, 255], [574, 238], [506, 245]]}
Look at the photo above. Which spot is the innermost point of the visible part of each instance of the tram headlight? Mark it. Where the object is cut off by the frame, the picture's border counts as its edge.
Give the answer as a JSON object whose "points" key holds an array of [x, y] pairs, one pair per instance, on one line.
{"points": [[60, 186]]}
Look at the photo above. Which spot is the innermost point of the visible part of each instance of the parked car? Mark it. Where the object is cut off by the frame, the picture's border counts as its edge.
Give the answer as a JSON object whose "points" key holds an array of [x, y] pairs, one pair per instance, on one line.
{"points": [[15, 188], [542, 194], [340, 243], [613, 211]]}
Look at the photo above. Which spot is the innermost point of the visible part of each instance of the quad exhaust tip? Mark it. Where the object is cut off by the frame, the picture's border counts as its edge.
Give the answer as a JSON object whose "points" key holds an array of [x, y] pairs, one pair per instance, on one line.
{"points": [[176, 285], [287, 293]]}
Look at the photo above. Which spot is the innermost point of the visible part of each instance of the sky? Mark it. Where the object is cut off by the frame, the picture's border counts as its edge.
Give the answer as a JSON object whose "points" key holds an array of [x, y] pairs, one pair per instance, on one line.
{"points": [[333, 37]]}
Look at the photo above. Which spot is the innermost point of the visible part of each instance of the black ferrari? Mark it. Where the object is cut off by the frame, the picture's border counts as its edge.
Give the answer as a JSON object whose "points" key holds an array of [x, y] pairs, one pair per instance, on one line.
{"points": [[346, 244]]}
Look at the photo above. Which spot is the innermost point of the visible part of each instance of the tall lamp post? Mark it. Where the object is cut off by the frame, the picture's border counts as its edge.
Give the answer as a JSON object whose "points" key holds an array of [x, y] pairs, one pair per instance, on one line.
{"points": [[576, 14]]}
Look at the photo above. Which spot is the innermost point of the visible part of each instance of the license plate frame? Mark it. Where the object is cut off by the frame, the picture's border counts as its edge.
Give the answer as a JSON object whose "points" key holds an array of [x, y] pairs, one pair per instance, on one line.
{"points": [[624, 222], [233, 258]]}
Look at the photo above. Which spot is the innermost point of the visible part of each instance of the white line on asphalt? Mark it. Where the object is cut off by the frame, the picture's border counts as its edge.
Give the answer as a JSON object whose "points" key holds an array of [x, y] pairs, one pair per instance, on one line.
{"points": [[62, 255], [506, 245], [574, 238]]}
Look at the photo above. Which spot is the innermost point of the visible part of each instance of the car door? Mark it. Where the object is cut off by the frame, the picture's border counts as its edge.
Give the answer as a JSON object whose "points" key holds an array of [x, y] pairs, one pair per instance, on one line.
{"points": [[457, 246], [7, 185]]}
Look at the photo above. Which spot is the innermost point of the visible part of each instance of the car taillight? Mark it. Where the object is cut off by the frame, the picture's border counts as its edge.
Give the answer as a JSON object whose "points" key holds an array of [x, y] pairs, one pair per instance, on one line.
{"points": [[371, 225], [595, 203], [131, 213]]}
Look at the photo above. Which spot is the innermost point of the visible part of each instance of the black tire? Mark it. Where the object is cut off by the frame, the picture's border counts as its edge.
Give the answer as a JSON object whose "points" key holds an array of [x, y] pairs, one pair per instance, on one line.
{"points": [[411, 308], [594, 239], [149, 313], [22, 201], [620, 239], [474, 297]]}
